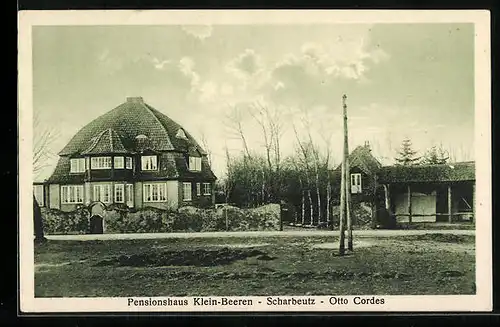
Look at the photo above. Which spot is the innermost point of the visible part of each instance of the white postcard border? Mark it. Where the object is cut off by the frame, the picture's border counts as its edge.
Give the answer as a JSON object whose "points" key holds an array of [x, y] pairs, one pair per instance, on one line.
{"points": [[482, 301]]}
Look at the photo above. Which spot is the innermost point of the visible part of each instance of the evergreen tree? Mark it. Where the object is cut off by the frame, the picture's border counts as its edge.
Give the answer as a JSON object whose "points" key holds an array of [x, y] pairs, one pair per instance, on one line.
{"points": [[406, 154], [435, 156]]}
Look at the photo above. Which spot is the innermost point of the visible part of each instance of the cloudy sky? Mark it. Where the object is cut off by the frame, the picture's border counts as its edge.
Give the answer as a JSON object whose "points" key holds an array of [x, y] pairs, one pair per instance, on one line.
{"points": [[402, 80]]}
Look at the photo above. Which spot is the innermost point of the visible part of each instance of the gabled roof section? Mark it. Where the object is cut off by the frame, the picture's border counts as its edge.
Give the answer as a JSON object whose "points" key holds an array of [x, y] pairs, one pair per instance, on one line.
{"points": [[453, 172], [172, 129], [362, 158], [108, 141]]}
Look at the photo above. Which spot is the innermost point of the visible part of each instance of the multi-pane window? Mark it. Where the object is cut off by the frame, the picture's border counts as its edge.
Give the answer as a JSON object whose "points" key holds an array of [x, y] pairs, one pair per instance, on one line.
{"points": [[206, 189], [195, 163], [356, 183], [77, 165], [186, 191], [119, 190], [155, 192], [149, 163], [100, 162], [102, 192], [72, 194], [130, 195], [128, 162], [198, 189], [119, 164]]}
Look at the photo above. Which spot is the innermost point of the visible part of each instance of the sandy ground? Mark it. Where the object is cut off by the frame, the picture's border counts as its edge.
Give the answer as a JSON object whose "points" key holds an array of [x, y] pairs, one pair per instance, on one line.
{"points": [[304, 233]]}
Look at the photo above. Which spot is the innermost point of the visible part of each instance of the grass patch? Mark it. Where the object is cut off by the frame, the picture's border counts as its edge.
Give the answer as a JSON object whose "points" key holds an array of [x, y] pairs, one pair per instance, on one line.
{"points": [[280, 266]]}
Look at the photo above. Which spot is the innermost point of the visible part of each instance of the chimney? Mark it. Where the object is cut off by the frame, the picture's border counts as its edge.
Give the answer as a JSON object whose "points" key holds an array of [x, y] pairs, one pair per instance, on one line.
{"points": [[135, 99], [367, 145]]}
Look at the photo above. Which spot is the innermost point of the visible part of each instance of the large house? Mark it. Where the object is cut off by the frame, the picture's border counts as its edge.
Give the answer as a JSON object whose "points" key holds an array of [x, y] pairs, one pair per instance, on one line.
{"points": [[420, 193], [133, 155]]}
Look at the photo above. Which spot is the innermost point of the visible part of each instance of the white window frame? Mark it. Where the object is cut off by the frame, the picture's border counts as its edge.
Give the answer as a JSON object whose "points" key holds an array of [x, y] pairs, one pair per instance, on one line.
{"points": [[119, 163], [71, 194], [100, 162], [356, 185], [128, 162], [149, 163], [101, 196], [154, 192], [187, 191], [119, 188], [195, 163], [129, 194], [77, 165], [207, 189], [198, 189]]}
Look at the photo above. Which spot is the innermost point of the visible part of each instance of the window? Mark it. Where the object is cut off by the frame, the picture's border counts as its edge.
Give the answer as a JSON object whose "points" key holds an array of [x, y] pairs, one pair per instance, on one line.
{"points": [[186, 191], [149, 163], [119, 162], [198, 189], [72, 194], [206, 188], [195, 163], [156, 192], [100, 163], [119, 190], [128, 162], [77, 165], [102, 192], [38, 191], [356, 183], [130, 195]]}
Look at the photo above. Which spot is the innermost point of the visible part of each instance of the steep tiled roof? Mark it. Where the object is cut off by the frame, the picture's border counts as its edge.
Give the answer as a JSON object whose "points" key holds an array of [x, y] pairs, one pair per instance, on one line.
{"points": [[128, 120], [362, 158], [454, 172], [108, 141], [62, 175]]}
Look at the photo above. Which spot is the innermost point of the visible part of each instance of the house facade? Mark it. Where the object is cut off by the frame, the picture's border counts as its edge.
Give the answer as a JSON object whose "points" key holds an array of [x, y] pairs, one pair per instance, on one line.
{"points": [[420, 193], [133, 155]]}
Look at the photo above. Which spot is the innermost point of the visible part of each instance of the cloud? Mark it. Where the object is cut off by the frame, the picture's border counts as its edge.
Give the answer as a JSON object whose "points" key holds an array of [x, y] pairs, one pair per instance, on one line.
{"points": [[200, 32], [109, 62], [245, 65], [186, 66]]}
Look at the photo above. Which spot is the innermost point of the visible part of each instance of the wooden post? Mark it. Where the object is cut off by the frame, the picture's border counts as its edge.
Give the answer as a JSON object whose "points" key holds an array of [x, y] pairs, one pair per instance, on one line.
{"points": [[409, 203], [374, 202], [343, 183], [342, 213], [474, 201], [348, 205], [450, 214]]}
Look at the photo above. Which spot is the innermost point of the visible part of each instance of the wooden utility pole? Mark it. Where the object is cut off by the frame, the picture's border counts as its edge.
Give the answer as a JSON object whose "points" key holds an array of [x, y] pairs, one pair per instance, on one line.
{"points": [[343, 186], [347, 178]]}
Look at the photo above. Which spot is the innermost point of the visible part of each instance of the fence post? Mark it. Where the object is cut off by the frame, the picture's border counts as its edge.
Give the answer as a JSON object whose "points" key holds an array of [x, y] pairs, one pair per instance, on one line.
{"points": [[282, 213]]}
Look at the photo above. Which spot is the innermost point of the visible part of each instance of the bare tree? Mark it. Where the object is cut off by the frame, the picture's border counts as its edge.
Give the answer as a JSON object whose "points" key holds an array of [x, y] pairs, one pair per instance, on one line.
{"points": [[43, 136], [235, 124]]}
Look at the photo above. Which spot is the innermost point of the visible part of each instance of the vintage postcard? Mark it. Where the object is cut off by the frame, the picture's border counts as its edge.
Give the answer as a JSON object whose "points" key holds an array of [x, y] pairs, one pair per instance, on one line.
{"points": [[254, 161]]}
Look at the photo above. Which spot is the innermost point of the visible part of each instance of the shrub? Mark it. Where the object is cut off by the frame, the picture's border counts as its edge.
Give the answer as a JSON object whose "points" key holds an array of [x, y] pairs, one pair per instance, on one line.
{"points": [[188, 219], [61, 222]]}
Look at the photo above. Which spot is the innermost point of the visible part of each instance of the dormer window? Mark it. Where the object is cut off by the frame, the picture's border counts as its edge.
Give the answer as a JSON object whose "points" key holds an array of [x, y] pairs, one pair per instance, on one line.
{"points": [[149, 163], [77, 165], [100, 162], [356, 183], [181, 134], [119, 163], [195, 163], [128, 162]]}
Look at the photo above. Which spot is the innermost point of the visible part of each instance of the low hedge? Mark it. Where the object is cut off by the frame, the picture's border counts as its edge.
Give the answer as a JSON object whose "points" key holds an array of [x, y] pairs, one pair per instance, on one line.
{"points": [[61, 222], [119, 219]]}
